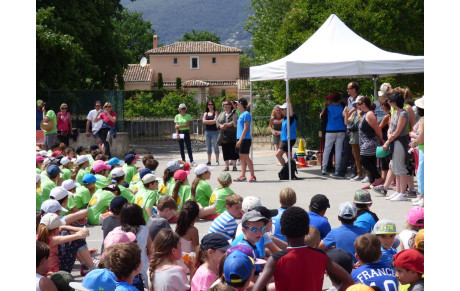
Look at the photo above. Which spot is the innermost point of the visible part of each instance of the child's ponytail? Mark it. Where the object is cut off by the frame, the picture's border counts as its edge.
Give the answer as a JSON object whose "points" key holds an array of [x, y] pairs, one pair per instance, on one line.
{"points": [[200, 258], [43, 233], [175, 192], [194, 185]]}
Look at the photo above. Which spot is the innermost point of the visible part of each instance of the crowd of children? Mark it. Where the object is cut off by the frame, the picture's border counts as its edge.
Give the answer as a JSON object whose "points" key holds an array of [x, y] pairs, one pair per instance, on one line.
{"points": [[289, 248]]}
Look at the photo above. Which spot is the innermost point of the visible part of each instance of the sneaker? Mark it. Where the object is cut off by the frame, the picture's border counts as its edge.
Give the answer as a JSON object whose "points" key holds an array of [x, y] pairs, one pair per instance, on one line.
{"points": [[240, 179], [411, 194], [337, 176], [420, 203], [365, 180], [381, 190], [84, 270], [357, 178], [217, 163], [193, 164], [323, 171], [352, 176], [208, 164], [392, 195], [416, 199], [253, 179], [238, 162], [399, 197]]}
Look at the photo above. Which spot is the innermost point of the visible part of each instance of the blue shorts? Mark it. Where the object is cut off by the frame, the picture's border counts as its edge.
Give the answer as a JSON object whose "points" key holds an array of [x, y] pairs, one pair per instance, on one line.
{"points": [[97, 136]]}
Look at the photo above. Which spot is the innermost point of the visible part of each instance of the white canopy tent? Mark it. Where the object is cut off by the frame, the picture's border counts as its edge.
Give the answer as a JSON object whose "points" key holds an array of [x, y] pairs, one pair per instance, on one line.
{"points": [[335, 51]]}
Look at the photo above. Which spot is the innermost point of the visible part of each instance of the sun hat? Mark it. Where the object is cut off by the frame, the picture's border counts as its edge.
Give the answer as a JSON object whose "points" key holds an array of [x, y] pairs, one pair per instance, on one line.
{"points": [[114, 161], [46, 126], [117, 172], [385, 226], [80, 149], [56, 153], [51, 206], [93, 147], [202, 168], [328, 97], [238, 265], [181, 175], [215, 241], [118, 236], [99, 166], [415, 216], [43, 153], [173, 166], [129, 158], [362, 197], [118, 202], [149, 178], [248, 251], [384, 89], [39, 159], [186, 166], [253, 215], [224, 178], [96, 280], [51, 221], [409, 259], [341, 257], [347, 210], [250, 202], [82, 159], [359, 287], [420, 103], [69, 184], [89, 179], [319, 202], [284, 106], [53, 171]]}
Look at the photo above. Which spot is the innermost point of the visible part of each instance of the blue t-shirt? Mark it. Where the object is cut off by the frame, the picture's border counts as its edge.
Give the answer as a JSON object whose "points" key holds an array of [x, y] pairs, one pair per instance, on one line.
{"points": [[245, 116], [276, 225], [321, 223], [125, 286], [387, 256], [376, 274], [242, 241], [343, 237], [292, 126], [365, 221], [335, 119]]}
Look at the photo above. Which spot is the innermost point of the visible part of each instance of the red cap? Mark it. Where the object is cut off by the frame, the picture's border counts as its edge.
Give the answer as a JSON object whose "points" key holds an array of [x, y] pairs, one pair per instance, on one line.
{"points": [[329, 96], [186, 167], [180, 175], [56, 153], [409, 259]]}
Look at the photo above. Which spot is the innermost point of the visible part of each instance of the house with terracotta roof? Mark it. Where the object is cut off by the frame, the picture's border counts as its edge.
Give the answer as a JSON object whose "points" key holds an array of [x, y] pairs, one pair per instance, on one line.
{"points": [[204, 67]]}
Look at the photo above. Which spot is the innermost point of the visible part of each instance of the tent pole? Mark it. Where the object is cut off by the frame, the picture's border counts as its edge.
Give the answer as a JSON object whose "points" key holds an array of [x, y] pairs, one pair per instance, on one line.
{"points": [[252, 123], [375, 87], [288, 131]]}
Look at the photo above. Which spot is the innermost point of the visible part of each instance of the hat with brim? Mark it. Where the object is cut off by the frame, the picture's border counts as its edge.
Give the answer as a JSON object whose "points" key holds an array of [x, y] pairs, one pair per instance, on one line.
{"points": [[47, 126], [380, 153], [420, 103]]}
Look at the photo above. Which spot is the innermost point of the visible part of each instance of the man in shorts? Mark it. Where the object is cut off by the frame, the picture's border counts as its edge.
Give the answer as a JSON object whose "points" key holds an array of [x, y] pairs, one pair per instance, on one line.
{"points": [[95, 125]]}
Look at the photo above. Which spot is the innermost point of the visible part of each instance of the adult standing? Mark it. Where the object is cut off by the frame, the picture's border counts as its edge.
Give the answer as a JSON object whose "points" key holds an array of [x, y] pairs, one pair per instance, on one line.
{"points": [[379, 111], [49, 116], [64, 124], [108, 118], [182, 121], [398, 142], [227, 123], [243, 146], [284, 131], [95, 126], [323, 118], [39, 116], [211, 133], [419, 141], [276, 120]]}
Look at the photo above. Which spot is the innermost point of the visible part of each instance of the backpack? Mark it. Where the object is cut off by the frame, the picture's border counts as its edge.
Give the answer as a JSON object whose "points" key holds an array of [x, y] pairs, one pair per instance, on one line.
{"points": [[283, 174]]}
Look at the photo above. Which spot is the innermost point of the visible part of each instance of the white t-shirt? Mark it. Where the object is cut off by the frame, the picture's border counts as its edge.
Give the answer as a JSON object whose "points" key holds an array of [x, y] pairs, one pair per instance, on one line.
{"points": [[96, 125], [38, 277], [405, 236]]}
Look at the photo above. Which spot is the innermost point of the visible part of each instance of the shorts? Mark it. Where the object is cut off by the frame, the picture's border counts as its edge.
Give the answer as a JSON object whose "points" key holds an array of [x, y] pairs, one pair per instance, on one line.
{"points": [[284, 145], [245, 147], [97, 136], [276, 139]]}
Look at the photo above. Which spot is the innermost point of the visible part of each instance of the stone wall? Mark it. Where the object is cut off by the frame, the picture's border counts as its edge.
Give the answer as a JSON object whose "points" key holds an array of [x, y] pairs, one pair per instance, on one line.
{"points": [[120, 145]]}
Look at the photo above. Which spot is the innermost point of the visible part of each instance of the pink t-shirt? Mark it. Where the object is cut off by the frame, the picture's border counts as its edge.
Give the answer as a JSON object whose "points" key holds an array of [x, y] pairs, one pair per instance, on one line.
{"points": [[202, 279], [105, 118], [63, 121]]}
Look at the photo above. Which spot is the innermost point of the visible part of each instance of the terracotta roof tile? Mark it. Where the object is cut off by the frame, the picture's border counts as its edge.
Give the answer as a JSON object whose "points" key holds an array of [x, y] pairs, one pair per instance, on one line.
{"points": [[194, 47], [137, 73]]}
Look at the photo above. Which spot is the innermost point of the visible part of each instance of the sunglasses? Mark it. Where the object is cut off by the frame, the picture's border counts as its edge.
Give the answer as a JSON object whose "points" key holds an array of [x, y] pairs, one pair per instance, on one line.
{"points": [[360, 103], [63, 107], [183, 108], [255, 229], [210, 104], [107, 106]]}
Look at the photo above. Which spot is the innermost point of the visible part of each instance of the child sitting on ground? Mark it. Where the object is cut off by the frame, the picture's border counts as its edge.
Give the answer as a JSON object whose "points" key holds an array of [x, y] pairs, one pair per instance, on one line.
{"points": [[415, 221], [410, 269], [385, 230], [147, 196], [219, 194], [186, 229], [124, 260], [200, 189], [84, 193], [317, 211], [66, 167], [238, 270], [101, 171], [168, 178], [287, 199], [167, 208], [118, 178], [113, 220], [129, 167], [372, 272], [42, 282], [150, 167], [81, 168], [365, 218], [299, 267], [181, 191], [344, 260], [100, 203], [225, 223]]}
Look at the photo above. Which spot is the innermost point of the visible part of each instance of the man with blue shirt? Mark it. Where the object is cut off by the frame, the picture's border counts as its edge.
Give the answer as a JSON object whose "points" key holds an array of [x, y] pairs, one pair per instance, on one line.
{"points": [[284, 132], [318, 206]]}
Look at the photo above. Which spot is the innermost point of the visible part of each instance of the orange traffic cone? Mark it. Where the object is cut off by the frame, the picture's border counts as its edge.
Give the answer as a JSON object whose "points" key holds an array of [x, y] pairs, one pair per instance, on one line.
{"points": [[302, 163]]}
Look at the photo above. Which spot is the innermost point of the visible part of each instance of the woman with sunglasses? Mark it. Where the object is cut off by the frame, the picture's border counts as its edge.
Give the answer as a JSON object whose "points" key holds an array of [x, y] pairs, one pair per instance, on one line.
{"points": [[211, 133], [64, 124], [108, 118], [226, 123], [183, 120]]}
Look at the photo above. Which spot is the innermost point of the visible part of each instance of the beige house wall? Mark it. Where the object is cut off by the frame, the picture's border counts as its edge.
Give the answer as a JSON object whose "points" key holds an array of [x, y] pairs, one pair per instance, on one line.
{"points": [[138, 86], [225, 68]]}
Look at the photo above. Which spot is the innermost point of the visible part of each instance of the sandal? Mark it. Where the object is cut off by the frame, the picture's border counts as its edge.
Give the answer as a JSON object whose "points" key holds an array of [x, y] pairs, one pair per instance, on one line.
{"points": [[226, 169], [234, 169]]}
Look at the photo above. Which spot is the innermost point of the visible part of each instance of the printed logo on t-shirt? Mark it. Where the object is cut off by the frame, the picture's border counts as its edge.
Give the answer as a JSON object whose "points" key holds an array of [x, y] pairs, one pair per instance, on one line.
{"points": [[39, 191], [163, 189], [135, 178], [94, 201], [139, 200], [213, 199]]}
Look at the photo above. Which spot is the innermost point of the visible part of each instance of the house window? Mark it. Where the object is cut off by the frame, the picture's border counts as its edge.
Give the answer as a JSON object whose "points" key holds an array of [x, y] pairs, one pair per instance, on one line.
{"points": [[175, 61], [213, 60], [194, 63]]}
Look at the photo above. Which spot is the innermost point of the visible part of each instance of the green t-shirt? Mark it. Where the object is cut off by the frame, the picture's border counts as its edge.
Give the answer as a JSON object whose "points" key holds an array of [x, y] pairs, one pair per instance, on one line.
{"points": [[130, 172], [166, 188], [145, 198], [82, 197], [46, 187], [99, 203], [70, 204], [66, 174], [218, 198], [183, 119], [421, 146], [203, 193], [38, 171], [104, 181], [126, 193], [52, 117], [134, 180], [80, 174], [184, 194]]}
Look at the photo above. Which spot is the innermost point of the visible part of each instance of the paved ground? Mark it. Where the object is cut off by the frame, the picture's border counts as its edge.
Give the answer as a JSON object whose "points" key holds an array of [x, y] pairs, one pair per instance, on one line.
{"points": [[268, 187]]}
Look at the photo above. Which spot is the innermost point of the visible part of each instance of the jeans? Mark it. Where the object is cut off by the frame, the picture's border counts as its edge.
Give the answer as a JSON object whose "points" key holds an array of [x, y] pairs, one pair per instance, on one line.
{"points": [[211, 141], [420, 172], [345, 156], [50, 139], [188, 144], [331, 139]]}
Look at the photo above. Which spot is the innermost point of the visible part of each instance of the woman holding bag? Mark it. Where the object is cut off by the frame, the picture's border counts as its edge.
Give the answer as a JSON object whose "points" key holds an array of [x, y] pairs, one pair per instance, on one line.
{"points": [[226, 123]]}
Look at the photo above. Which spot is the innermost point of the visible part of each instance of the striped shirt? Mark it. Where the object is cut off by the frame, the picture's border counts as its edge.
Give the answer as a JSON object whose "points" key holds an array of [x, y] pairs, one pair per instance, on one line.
{"points": [[224, 224]]}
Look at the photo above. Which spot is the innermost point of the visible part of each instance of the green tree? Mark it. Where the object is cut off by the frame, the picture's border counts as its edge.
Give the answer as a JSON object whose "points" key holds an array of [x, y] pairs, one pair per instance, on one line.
{"points": [[201, 35]]}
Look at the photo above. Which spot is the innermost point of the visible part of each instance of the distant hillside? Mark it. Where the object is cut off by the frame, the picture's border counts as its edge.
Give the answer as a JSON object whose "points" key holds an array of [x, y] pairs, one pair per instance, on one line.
{"points": [[172, 18]]}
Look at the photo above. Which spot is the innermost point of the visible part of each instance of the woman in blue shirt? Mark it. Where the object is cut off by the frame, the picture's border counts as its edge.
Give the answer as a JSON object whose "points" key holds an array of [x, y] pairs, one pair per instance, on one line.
{"points": [[243, 146]]}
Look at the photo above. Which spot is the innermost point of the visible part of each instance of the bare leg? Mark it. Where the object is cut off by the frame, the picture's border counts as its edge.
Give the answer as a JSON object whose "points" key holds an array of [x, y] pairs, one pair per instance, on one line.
{"points": [[84, 256], [279, 156], [71, 218], [402, 184], [389, 179], [243, 164], [208, 210]]}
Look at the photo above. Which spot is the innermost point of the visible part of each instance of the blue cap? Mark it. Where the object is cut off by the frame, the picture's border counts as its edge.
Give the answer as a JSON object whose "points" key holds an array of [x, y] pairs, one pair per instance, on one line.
{"points": [[88, 179], [53, 171], [99, 279], [114, 161], [129, 158], [239, 265], [144, 172]]}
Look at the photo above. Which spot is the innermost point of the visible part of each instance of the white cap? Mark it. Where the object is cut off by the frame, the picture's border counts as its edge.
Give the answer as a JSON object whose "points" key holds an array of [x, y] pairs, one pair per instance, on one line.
{"points": [[117, 172], [82, 159], [59, 193], [250, 202], [284, 106], [51, 220], [43, 153], [149, 178], [65, 161], [202, 168], [47, 161], [69, 184], [182, 105], [38, 177], [51, 206]]}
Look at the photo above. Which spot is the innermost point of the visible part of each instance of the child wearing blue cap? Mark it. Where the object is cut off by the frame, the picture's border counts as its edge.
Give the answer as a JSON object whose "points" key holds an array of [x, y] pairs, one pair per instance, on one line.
{"points": [[85, 191], [47, 184], [129, 167], [238, 270], [99, 279]]}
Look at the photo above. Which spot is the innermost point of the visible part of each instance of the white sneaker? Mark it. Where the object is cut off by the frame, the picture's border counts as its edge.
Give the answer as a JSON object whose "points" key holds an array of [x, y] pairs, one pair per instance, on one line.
{"points": [[399, 197], [365, 180], [193, 164], [357, 178], [419, 203], [238, 162], [217, 163], [392, 196], [416, 199]]}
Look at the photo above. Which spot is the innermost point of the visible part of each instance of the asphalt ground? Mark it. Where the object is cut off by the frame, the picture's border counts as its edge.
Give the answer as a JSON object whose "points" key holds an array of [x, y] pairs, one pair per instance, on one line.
{"points": [[268, 187]]}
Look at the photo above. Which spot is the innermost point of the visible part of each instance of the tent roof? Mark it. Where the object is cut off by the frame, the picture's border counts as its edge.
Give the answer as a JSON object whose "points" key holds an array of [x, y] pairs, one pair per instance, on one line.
{"points": [[335, 51]]}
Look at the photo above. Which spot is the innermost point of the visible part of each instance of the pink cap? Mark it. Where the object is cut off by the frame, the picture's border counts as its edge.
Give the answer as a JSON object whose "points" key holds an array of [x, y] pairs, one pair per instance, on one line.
{"points": [[416, 214], [99, 166], [56, 153], [118, 236], [186, 167], [39, 159], [180, 175]]}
